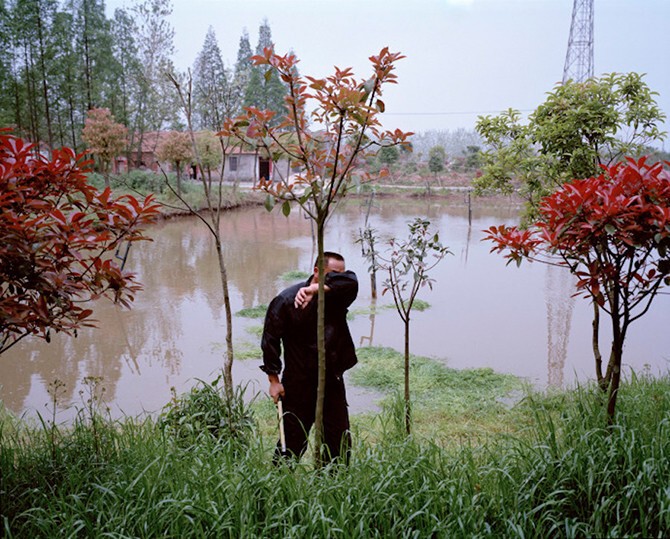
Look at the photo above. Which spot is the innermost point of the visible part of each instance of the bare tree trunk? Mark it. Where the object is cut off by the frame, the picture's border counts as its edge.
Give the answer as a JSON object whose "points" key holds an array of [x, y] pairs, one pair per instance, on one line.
{"points": [[408, 411], [319, 459], [602, 381], [228, 363], [45, 88], [178, 167], [617, 352], [373, 282], [214, 226]]}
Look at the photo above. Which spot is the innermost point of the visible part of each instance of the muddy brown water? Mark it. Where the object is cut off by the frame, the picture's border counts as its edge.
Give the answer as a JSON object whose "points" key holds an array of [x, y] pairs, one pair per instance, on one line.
{"points": [[483, 313]]}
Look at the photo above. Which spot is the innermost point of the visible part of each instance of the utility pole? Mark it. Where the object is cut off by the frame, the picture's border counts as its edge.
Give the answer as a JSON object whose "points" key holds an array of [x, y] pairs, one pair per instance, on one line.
{"points": [[579, 58]]}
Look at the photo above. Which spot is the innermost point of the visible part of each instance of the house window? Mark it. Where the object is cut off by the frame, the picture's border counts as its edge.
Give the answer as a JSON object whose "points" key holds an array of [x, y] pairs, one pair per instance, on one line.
{"points": [[233, 162]]}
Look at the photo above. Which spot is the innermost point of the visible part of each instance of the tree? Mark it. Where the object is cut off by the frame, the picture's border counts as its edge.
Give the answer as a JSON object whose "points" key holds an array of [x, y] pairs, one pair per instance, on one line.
{"points": [[6, 76], [94, 46], [203, 154], [105, 138], [388, 155], [65, 83], [242, 74], [613, 232], [579, 127], [436, 158], [57, 231], [175, 148], [210, 155], [407, 267], [155, 105], [472, 160], [327, 150], [126, 67], [30, 23], [265, 90], [211, 87]]}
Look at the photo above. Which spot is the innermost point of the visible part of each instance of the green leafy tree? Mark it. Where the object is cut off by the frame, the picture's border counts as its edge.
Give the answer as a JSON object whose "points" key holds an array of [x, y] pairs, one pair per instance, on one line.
{"points": [[329, 126], [176, 149], [66, 83], [106, 139], [155, 105], [210, 155], [265, 90], [388, 155], [473, 158], [126, 68], [94, 42], [408, 265], [436, 159], [211, 86], [30, 25], [6, 75], [242, 74], [579, 127]]}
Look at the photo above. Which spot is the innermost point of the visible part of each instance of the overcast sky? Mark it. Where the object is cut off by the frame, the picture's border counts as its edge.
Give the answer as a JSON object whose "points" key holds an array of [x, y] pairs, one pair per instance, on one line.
{"points": [[464, 57]]}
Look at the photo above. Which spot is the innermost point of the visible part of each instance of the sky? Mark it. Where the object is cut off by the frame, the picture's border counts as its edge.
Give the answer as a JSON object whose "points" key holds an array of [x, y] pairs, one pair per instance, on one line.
{"points": [[464, 58]]}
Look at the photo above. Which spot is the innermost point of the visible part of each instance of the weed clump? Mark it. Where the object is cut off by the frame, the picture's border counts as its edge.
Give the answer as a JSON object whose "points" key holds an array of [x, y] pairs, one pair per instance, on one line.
{"points": [[206, 411]]}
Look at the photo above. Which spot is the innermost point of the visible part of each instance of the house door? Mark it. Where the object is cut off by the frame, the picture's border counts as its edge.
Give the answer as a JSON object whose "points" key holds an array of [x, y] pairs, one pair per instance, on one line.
{"points": [[263, 168]]}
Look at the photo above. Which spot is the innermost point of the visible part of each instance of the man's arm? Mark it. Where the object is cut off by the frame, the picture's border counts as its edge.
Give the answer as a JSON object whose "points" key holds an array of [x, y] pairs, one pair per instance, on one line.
{"points": [[271, 346], [306, 293], [342, 287]]}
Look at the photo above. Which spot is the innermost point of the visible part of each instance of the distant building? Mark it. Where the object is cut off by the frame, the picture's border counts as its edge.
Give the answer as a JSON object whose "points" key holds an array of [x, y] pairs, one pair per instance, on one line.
{"points": [[241, 165]]}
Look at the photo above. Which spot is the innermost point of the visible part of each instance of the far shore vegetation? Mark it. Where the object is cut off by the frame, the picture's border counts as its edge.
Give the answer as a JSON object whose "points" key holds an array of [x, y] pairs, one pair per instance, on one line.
{"points": [[453, 189]]}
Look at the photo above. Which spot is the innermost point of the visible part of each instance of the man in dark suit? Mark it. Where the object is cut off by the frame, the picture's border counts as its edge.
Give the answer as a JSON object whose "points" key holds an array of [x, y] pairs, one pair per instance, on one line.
{"points": [[291, 322]]}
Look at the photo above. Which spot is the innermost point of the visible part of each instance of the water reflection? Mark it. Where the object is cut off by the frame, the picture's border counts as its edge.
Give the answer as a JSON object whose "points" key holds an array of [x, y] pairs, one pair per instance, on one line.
{"points": [[483, 313], [560, 304]]}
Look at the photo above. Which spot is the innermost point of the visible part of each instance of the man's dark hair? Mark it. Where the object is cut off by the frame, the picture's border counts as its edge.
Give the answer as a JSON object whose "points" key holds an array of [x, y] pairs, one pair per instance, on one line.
{"points": [[327, 255]]}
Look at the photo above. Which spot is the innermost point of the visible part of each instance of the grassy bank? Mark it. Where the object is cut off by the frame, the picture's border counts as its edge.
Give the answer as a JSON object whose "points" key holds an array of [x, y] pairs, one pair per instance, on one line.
{"points": [[545, 467], [141, 183]]}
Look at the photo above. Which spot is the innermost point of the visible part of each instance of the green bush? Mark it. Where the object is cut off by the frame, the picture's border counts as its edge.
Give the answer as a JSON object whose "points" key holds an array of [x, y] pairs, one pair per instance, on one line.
{"points": [[144, 181], [205, 411]]}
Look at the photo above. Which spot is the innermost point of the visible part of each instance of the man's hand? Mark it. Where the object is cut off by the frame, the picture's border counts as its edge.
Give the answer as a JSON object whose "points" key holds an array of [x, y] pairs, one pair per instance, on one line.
{"points": [[305, 295], [276, 388]]}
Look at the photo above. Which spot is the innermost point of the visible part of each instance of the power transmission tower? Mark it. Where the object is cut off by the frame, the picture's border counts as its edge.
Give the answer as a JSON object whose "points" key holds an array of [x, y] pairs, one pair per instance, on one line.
{"points": [[579, 58]]}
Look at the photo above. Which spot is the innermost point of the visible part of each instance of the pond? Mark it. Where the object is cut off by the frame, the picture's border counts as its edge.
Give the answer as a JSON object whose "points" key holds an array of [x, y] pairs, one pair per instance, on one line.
{"points": [[482, 313]]}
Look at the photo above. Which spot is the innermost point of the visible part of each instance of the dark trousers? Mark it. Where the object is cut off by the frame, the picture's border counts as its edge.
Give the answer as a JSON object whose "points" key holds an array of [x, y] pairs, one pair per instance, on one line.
{"points": [[299, 410]]}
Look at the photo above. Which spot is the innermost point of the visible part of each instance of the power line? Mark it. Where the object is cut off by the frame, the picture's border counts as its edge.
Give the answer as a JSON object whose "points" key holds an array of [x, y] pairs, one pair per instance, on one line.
{"points": [[451, 113]]}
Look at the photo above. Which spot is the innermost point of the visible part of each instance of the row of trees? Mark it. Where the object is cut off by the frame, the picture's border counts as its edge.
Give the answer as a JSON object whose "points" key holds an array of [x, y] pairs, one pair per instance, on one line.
{"points": [[61, 58]]}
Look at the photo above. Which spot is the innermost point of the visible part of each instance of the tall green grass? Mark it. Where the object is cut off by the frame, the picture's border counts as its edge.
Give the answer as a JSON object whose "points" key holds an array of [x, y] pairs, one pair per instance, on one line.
{"points": [[561, 473]]}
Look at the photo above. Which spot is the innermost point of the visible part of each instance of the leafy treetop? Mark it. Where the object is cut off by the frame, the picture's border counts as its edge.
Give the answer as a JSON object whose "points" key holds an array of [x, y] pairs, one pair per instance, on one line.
{"points": [[579, 127], [327, 144], [104, 137]]}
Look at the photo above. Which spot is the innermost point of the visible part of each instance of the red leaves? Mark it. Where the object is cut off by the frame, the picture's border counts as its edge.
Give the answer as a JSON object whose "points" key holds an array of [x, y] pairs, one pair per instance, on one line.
{"points": [[612, 230], [520, 243], [55, 228], [329, 125]]}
